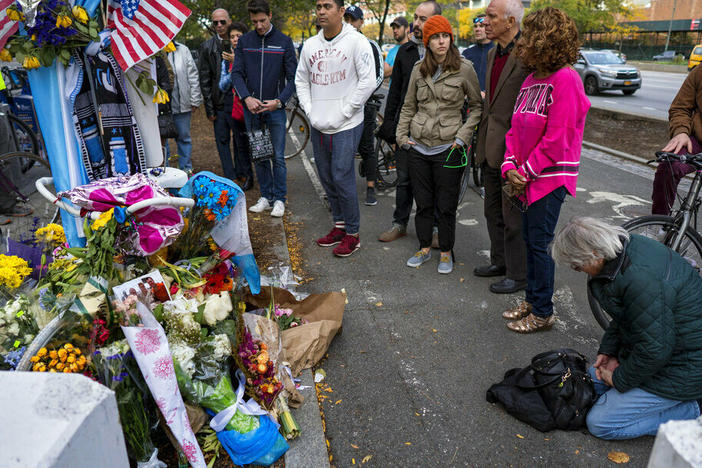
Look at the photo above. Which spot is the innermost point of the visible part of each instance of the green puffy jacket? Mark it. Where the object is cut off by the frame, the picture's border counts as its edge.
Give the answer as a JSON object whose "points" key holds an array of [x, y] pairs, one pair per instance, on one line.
{"points": [[655, 299]]}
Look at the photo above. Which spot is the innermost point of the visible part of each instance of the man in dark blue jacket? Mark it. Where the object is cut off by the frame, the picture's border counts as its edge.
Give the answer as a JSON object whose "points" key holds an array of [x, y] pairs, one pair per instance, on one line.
{"points": [[264, 78], [477, 53]]}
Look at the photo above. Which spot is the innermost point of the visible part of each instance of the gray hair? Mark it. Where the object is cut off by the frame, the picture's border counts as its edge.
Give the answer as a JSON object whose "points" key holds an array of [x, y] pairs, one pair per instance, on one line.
{"points": [[585, 240], [516, 9]]}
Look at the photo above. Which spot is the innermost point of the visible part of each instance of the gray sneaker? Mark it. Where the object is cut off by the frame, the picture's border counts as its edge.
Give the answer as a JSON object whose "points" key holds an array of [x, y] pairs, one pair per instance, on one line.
{"points": [[418, 258], [445, 264]]}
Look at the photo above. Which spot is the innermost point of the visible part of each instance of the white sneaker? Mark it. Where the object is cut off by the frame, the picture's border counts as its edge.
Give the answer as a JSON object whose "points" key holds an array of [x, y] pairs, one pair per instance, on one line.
{"points": [[261, 204], [278, 209]]}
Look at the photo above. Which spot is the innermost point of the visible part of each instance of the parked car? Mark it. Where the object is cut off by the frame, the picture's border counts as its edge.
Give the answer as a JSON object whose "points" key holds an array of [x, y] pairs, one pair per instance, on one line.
{"points": [[695, 57], [602, 70], [621, 55], [666, 56]]}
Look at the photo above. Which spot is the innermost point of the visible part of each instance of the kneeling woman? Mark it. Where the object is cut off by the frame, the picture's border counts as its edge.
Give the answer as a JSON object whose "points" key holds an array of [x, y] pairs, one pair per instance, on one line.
{"points": [[431, 129], [649, 365]]}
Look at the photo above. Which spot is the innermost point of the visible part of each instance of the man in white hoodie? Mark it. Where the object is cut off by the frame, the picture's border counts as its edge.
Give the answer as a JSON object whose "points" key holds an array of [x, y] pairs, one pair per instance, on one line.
{"points": [[334, 79]]}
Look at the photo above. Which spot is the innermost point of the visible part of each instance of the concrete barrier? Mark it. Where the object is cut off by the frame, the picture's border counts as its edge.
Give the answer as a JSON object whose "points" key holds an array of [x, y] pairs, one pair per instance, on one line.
{"points": [[660, 67], [58, 420], [678, 445]]}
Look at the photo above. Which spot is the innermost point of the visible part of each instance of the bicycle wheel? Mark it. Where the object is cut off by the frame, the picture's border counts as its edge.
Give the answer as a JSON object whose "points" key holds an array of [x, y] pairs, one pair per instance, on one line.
{"points": [[662, 229], [387, 164], [464, 180], [26, 139], [21, 186], [298, 131]]}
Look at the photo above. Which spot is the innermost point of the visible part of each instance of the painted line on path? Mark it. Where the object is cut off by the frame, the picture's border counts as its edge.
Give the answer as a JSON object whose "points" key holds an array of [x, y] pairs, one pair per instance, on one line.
{"points": [[314, 178]]}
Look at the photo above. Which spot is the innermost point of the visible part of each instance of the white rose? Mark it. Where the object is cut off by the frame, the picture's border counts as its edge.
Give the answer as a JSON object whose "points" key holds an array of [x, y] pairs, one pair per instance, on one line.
{"points": [[13, 329], [226, 306], [222, 347]]}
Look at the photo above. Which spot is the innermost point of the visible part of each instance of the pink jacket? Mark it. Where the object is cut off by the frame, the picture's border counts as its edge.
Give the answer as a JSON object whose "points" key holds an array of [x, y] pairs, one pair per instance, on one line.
{"points": [[545, 140]]}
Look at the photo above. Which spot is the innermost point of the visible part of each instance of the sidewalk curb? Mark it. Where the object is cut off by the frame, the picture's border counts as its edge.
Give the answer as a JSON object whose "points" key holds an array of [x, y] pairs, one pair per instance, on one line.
{"points": [[309, 449]]}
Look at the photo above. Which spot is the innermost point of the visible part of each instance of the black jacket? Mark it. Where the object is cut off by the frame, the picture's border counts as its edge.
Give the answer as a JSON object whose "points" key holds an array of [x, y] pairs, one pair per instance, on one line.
{"points": [[477, 54], [209, 65], [406, 57]]}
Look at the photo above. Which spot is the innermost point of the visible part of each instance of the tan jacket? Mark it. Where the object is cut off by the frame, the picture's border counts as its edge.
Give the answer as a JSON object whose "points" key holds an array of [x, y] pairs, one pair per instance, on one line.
{"points": [[497, 112], [684, 113], [432, 110]]}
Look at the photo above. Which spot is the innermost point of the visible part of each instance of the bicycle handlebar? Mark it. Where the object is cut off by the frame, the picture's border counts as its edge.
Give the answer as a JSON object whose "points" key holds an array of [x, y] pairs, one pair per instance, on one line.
{"points": [[694, 159], [42, 182]]}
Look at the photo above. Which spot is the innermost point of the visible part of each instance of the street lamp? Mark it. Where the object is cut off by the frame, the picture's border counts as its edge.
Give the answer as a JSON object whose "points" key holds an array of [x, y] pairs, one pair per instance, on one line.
{"points": [[670, 26]]}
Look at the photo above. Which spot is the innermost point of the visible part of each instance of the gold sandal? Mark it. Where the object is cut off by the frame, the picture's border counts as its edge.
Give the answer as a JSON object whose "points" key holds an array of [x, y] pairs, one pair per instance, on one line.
{"points": [[531, 323], [520, 311]]}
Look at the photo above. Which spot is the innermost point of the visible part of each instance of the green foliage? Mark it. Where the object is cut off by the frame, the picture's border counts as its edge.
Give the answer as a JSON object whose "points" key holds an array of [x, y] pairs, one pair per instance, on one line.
{"points": [[590, 15]]}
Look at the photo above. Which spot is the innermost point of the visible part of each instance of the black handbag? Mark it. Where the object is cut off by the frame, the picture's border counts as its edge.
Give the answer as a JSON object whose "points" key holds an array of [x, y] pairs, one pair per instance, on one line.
{"points": [[553, 392], [166, 124], [260, 143]]}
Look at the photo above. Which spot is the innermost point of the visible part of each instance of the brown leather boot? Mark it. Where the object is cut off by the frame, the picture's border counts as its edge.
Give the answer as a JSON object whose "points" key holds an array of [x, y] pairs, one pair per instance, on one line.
{"points": [[394, 233]]}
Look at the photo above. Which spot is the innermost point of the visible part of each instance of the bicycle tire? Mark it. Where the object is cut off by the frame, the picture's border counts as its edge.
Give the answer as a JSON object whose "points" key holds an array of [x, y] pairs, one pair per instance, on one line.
{"points": [[663, 229], [26, 139], [387, 165], [44, 211], [465, 178], [301, 136]]}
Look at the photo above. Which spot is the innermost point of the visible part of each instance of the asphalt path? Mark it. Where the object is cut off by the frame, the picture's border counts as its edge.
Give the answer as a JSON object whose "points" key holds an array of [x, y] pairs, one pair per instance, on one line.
{"points": [[418, 351], [653, 99]]}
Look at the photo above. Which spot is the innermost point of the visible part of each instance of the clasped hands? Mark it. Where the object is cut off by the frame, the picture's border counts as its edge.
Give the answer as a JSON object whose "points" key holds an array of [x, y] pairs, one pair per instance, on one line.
{"points": [[517, 181], [257, 106], [604, 368]]}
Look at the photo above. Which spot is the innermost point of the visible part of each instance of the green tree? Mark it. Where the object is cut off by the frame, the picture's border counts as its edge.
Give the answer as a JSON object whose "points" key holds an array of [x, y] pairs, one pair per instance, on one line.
{"points": [[590, 15]]}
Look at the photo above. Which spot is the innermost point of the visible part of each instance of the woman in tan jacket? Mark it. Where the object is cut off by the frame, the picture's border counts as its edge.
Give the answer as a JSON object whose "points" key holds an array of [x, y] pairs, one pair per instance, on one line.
{"points": [[432, 130]]}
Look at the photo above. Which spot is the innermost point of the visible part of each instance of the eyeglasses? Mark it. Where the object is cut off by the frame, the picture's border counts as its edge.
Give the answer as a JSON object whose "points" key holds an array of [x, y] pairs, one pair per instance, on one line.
{"points": [[478, 20], [219, 22]]}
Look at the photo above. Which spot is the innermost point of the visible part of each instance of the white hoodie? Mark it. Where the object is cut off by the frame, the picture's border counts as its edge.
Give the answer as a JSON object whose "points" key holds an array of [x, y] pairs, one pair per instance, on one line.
{"points": [[334, 80]]}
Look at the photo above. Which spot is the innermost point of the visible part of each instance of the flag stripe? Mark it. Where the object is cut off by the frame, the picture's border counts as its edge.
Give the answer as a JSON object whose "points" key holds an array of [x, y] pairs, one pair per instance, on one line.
{"points": [[152, 25], [7, 29]]}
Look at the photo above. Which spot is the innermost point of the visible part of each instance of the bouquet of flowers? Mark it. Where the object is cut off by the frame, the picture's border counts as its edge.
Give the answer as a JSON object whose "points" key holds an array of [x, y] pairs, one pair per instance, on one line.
{"points": [[285, 318], [17, 329], [252, 356], [13, 271]]}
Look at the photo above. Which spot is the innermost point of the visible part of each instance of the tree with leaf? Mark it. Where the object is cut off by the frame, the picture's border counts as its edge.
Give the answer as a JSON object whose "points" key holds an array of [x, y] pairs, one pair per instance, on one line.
{"points": [[590, 15], [379, 9]]}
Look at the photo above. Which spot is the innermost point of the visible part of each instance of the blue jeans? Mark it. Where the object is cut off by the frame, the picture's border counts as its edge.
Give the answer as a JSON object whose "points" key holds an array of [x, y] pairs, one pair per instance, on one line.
{"points": [[271, 180], [635, 413], [538, 227], [334, 156], [183, 141]]}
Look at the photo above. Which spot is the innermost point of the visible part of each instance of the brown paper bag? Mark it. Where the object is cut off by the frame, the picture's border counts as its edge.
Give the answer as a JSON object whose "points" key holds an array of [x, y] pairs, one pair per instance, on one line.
{"points": [[305, 345]]}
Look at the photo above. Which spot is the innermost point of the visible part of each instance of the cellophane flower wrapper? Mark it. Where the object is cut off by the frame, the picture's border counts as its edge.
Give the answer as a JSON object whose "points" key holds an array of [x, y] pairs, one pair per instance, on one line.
{"points": [[17, 330], [152, 353], [150, 229], [116, 368]]}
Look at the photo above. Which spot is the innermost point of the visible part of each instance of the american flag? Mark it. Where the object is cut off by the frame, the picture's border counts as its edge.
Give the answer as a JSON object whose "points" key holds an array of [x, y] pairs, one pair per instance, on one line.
{"points": [[7, 27], [143, 27]]}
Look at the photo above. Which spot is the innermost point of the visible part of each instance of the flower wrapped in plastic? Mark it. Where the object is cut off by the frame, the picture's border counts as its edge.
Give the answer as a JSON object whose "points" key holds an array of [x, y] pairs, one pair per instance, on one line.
{"points": [[17, 330]]}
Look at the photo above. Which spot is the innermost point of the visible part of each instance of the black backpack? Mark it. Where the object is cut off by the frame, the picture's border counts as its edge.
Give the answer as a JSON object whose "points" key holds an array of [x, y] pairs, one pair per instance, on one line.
{"points": [[553, 392]]}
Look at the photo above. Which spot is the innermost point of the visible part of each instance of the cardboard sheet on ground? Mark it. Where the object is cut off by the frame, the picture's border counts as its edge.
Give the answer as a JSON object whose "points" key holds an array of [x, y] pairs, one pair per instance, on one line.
{"points": [[305, 345]]}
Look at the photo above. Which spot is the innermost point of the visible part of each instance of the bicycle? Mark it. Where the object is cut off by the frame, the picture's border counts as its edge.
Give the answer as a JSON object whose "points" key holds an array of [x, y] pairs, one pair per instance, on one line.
{"points": [[297, 122], [678, 231], [473, 169]]}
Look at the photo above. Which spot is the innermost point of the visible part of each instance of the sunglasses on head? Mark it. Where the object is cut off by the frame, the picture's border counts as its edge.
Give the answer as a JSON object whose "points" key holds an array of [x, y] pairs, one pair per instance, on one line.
{"points": [[218, 22], [478, 20]]}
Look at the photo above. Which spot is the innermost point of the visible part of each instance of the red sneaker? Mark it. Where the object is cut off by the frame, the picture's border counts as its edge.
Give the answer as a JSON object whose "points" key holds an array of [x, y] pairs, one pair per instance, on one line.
{"points": [[349, 244], [333, 238]]}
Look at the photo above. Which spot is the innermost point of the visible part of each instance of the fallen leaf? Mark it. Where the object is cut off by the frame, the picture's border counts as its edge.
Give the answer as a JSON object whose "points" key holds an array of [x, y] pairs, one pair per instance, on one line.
{"points": [[354, 446], [577, 452], [618, 457], [337, 402], [416, 414], [434, 330], [462, 280], [408, 443], [379, 304], [327, 441], [366, 458], [546, 438], [353, 461], [520, 436]]}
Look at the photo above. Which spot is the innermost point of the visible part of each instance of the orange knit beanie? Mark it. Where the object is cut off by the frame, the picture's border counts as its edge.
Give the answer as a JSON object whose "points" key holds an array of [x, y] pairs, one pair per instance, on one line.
{"points": [[436, 24]]}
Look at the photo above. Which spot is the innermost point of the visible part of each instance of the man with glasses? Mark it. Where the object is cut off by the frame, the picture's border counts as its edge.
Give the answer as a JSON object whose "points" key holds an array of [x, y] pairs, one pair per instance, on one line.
{"points": [[477, 53], [218, 104]]}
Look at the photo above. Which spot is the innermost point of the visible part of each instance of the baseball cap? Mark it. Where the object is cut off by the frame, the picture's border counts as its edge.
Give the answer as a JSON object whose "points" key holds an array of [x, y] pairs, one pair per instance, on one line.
{"points": [[354, 12], [399, 21]]}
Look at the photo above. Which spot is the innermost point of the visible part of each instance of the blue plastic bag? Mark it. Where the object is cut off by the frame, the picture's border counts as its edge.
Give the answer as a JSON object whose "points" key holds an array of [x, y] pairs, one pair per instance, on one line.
{"points": [[262, 446]]}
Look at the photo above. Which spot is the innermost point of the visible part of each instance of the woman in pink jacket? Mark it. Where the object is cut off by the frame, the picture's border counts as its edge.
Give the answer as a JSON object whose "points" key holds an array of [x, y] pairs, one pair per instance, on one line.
{"points": [[543, 152]]}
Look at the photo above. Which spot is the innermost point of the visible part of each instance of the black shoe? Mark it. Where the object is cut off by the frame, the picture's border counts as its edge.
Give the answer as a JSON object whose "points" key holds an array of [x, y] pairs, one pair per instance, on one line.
{"points": [[370, 197], [487, 271], [507, 286], [248, 184]]}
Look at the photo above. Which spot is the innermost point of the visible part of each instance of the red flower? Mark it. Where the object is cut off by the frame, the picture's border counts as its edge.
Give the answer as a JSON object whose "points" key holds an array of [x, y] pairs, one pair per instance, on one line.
{"points": [[160, 292]]}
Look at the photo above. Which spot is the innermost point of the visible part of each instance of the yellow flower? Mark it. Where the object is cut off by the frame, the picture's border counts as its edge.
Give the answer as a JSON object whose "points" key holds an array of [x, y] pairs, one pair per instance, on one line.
{"points": [[13, 14], [34, 359], [60, 366], [71, 359], [80, 14], [103, 220], [5, 55], [42, 352], [68, 346], [52, 234], [170, 47], [13, 270], [66, 370], [52, 370], [31, 62], [77, 351], [63, 21], [161, 96], [53, 354], [53, 362]]}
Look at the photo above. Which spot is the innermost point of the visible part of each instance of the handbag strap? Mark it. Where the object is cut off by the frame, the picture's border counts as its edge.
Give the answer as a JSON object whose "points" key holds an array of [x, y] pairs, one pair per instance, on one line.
{"points": [[528, 368]]}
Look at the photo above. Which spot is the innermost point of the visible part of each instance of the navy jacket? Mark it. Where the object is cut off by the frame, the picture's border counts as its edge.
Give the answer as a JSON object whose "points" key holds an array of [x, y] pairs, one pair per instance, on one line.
{"points": [[477, 53], [264, 66]]}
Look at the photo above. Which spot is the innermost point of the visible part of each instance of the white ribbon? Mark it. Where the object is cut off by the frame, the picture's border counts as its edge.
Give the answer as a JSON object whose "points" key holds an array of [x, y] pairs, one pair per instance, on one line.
{"points": [[251, 407]]}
